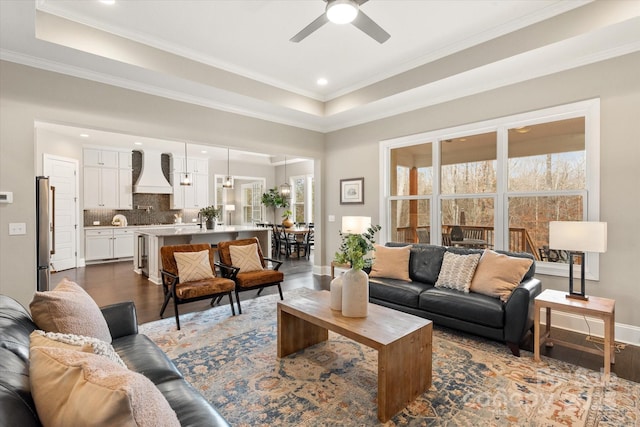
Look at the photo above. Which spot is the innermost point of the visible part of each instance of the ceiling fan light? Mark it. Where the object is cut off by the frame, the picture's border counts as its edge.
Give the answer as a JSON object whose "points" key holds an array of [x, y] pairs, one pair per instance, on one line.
{"points": [[342, 11]]}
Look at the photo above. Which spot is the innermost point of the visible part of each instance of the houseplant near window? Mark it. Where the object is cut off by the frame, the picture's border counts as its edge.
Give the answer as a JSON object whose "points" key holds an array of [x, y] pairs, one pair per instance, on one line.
{"points": [[357, 236], [210, 214], [286, 219], [273, 199]]}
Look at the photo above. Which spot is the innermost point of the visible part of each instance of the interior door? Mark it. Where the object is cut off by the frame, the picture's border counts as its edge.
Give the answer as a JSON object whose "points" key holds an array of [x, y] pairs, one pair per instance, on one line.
{"points": [[62, 173]]}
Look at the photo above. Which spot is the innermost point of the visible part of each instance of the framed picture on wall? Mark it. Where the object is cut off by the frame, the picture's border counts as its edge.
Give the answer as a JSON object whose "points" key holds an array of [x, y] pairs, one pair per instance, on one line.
{"points": [[352, 191]]}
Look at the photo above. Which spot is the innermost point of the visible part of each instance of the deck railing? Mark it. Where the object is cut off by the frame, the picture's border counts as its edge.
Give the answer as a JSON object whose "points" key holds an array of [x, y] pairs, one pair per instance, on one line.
{"points": [[519, 238]]}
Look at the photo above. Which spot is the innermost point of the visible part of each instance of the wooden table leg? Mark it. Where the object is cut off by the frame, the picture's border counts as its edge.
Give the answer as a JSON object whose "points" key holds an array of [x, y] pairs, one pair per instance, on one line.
{"points": [[404, 371], [294, 334], [536, 332]]}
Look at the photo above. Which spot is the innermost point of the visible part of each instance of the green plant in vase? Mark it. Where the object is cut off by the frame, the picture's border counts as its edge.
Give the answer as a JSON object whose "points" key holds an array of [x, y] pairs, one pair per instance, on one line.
{"points": [[286, 220], [210, 214], [273, 199], [355, 248]]}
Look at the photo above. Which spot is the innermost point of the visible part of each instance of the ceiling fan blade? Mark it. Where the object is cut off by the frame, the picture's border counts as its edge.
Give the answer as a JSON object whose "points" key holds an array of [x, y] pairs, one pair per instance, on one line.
{"points": [[306, 31], [370, 28]]}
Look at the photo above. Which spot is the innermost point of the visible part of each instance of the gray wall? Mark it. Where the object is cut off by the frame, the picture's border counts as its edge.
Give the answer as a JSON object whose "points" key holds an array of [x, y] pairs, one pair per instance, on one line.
{"points": [[616, 82]]}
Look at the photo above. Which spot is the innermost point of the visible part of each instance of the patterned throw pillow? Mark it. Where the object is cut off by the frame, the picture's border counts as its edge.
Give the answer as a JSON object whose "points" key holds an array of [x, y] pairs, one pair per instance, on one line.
{"points": [[193, 266], [69, 309], [498, 275], [457, 271], [72, 388], [245, 257], [391, 262], [40, 338]]}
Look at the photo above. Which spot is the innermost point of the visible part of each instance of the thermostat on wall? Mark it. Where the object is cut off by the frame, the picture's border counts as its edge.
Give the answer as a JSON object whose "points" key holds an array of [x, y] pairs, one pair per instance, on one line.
{"points": [[6, 196]]}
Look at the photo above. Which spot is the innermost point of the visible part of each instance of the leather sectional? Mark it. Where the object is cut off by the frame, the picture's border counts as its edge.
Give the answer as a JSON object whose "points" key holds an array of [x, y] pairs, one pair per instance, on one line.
{"points": [[471, 312]]}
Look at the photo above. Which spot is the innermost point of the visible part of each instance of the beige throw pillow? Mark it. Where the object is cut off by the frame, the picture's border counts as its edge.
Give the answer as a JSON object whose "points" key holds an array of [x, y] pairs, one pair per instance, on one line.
{"points": [[245, 257], [69, 309], [40, 338], [391, 262], [457, 271], [71, 388], [498, 275], [193, 266]]}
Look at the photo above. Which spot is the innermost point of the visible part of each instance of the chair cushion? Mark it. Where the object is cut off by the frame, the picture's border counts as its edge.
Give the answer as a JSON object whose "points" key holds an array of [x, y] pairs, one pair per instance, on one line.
{"points": [[457, 271], [198, 288], [193, 266], [74, 388], [257, 278], [245, 257], [392, 263], [498, 275], [69, 309]]}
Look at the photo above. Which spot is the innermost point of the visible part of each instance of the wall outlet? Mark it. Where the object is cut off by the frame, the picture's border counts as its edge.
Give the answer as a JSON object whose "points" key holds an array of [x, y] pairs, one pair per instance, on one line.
{"points": [[332, 218], [17, 228]]}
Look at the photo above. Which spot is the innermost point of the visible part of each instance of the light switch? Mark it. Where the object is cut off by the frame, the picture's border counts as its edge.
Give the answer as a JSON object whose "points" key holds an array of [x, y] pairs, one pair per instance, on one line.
{"points": [[17, 228], [332, 218]]}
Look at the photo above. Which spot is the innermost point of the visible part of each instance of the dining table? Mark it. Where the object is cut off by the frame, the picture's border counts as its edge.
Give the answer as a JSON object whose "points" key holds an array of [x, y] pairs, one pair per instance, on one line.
{"points": [[471, 243], [300, 235]]}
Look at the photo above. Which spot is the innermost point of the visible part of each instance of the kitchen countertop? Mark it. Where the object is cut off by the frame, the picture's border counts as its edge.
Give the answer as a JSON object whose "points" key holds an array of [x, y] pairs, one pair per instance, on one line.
{"points": [[105, 227], [190, 230]]}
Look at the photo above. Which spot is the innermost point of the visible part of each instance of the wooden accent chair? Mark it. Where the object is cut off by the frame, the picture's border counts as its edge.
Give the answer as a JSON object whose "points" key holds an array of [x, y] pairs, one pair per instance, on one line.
{"points": [[249, 280], [184, 292]]}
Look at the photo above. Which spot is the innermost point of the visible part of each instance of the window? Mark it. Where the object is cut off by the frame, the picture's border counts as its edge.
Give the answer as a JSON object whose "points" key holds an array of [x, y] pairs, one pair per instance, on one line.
{"points": [[302, 195], [251, 202], [498, 182]]}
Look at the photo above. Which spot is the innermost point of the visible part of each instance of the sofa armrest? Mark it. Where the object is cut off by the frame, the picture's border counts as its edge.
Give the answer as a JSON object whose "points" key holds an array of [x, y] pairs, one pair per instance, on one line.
{"points": [[121, 319], [519, 310]]}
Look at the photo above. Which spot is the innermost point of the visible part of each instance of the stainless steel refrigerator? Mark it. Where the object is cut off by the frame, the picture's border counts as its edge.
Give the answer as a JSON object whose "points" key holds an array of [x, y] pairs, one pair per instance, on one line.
{"points": [[44, 231]]}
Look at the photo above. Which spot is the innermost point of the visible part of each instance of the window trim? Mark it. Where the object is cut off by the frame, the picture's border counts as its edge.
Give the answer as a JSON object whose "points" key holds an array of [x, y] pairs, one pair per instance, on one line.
{"points": [[589, 109]]}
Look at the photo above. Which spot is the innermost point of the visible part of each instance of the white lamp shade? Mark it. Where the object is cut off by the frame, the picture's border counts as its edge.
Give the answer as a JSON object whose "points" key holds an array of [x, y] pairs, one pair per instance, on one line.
{"points": [[230, 208], [342, 11], [355, 224], [578, 236]]}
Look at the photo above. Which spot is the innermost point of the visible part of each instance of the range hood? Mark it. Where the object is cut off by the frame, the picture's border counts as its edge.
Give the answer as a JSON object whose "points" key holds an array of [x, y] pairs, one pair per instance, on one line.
{"points": [[151, 179]]}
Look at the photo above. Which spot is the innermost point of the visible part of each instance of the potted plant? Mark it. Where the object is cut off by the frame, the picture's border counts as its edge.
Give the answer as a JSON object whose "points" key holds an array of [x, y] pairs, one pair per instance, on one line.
{"points": [[286, 219], [353, 286], [274, 199], [209, 214]]}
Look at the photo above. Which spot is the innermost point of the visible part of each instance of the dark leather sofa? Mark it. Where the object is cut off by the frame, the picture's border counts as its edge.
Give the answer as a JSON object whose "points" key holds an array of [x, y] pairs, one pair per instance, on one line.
{"points": [[471, 312], [138, 352]]}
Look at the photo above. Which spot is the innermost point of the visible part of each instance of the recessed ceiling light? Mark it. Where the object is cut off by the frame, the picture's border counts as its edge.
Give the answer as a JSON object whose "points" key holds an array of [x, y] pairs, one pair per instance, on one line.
{"points": [[137, 143], [322, 81], [109, 2], [84, 135], [204, 151]]}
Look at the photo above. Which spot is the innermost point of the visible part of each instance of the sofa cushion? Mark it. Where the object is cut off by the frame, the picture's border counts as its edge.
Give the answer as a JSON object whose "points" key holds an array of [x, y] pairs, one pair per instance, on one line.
{"points": [[75, 388], [392, 263], [397, 291], [457, 271], [424, 261], [75, 342], [142, 355], [498, 275], [474, 308], [69, 309], [532, 269]]}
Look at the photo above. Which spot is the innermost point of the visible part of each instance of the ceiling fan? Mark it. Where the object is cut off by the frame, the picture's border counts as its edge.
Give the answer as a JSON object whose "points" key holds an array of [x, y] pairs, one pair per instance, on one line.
{"points": [[344, 12]]}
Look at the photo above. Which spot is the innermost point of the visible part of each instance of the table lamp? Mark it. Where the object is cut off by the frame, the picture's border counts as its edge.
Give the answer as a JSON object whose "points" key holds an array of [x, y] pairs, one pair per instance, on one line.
{"points": [[229, 209], [578, 237], [355, 224]]}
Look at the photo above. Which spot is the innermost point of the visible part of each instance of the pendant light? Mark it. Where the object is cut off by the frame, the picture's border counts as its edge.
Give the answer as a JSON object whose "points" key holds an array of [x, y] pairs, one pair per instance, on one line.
{"points": [[285, 189], [228, 181], [185, 177]]}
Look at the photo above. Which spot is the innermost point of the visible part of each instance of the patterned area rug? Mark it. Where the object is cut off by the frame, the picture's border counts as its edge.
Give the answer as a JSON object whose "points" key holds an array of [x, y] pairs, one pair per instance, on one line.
{"points": [[232, 361]]}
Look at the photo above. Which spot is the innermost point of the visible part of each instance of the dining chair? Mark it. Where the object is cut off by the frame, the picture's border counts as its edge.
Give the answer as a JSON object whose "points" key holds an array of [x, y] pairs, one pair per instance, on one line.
{"points": [[182, 291]]}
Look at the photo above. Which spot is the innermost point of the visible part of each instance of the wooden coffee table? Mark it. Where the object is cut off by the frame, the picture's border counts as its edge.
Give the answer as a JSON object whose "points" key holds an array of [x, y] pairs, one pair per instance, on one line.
{"points": [[403, 342]]}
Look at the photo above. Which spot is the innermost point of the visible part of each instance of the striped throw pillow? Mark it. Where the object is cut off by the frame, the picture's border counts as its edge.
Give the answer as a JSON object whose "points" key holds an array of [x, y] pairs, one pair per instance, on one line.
{"points": [[245, 257], [457, 271], [193, 266]]}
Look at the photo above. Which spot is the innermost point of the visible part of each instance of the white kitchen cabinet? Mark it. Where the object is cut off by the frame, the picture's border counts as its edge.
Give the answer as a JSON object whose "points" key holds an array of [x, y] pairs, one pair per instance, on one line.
{"points": [[108, 244], [125, 189], [177, 198], [98, 244], [198, 165], [125, 160], [123, 243], [101, 158], [196, 195], [100, 188]]}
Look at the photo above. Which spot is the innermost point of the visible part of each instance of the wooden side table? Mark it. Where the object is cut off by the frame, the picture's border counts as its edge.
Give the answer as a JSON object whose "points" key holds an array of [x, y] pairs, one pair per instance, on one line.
{"points": [[337, 264], [601, 308]]}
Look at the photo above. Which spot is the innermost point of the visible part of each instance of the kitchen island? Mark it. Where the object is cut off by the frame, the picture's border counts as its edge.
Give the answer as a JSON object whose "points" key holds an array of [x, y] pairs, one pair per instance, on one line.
{"points": [[147, 243]]}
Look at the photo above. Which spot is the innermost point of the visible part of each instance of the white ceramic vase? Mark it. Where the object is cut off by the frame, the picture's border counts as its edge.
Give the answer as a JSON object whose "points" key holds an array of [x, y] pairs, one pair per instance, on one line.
{"points": [[336, 293], [355, 293]]}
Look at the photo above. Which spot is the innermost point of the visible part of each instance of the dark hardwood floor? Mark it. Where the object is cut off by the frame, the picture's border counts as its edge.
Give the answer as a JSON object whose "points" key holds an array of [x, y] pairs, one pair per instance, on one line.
{"points": [[116, 282]]}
